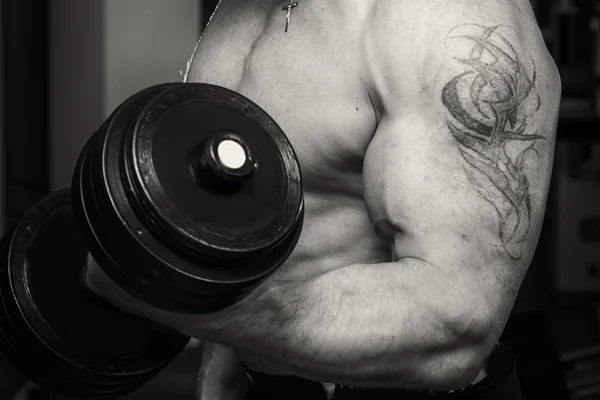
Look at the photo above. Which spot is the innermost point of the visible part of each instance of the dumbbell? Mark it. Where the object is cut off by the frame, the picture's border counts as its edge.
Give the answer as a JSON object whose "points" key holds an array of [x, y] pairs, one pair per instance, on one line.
{"points": [[187, 196]]}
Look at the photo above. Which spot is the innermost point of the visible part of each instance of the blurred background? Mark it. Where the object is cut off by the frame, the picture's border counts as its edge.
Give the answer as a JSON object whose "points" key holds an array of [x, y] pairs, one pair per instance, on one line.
{"points": [[67, 64]]}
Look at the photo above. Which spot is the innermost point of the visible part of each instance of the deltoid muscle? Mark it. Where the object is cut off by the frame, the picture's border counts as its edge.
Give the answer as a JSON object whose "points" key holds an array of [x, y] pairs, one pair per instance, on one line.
{"points": [[490, 105]]}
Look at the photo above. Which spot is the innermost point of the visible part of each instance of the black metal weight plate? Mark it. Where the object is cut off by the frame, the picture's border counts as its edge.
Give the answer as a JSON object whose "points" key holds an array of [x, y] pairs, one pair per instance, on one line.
{"points": [[60, 335], [168, 217]]}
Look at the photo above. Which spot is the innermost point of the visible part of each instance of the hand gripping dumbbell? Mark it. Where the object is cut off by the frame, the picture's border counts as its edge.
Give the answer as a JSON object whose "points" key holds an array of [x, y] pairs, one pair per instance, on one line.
{"points": [[187, 196]]}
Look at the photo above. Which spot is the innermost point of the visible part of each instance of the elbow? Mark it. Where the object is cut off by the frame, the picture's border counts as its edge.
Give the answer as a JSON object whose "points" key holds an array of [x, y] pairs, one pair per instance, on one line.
{"points": [[457, 370], [465, 356]]}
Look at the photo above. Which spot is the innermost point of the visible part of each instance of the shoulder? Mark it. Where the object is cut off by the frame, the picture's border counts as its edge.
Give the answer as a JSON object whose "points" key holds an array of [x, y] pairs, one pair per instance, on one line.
{"points": [[430, 18], [415, 47]]}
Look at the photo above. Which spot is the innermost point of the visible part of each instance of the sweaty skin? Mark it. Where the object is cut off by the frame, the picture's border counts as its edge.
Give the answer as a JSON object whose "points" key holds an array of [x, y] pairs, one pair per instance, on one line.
{"points": [[425, 132]]}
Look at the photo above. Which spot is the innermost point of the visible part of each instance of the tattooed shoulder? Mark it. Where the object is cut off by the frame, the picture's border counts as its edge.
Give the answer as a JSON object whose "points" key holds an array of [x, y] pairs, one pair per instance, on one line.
{"points": [[490, 107]]}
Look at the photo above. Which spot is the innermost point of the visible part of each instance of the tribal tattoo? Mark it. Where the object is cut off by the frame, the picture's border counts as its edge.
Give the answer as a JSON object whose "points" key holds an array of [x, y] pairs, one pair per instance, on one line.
{"points": [[490, 106]]}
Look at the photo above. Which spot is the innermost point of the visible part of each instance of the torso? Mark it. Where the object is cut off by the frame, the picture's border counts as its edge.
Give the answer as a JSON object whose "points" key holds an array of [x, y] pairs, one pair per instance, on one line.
{"points": [[311, 81]]}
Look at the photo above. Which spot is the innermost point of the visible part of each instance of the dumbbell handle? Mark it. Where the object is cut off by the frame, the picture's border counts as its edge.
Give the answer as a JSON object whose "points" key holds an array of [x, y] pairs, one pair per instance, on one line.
{"points": [[84, 282], [84, 278], [92, 268]]}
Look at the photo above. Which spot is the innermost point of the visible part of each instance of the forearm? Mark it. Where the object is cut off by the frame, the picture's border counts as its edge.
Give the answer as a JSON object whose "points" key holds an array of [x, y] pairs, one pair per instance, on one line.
{"points": [[393, 324]]}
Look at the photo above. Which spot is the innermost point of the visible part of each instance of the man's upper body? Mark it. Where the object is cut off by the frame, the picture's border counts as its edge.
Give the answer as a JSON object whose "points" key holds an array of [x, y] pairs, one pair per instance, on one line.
{"points": [[425, 131]]}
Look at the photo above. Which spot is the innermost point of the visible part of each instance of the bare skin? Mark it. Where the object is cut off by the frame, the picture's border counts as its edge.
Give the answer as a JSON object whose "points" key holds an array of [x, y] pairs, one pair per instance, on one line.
{"points": [[425, 131]]}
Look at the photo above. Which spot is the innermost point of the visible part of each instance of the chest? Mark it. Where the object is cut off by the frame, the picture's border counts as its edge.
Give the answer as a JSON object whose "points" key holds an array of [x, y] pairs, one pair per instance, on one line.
{"points": [[309, 79]]}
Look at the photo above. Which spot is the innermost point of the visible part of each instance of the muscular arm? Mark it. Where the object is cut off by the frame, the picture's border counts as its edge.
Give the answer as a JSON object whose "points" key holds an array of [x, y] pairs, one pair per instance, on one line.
{"points": [[455, 180]]}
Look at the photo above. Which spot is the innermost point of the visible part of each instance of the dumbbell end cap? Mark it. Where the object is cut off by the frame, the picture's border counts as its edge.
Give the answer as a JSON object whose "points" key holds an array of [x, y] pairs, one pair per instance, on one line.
{"points": [[224, 162]]}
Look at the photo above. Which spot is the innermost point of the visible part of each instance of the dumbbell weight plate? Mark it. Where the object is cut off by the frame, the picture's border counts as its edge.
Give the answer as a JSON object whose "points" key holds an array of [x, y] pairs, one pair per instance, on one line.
{"points": [[154, 218], [59, 335]]}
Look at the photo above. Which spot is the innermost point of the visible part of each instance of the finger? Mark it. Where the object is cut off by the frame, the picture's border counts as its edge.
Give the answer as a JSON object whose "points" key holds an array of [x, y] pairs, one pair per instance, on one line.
{"points": [[221, 375]]}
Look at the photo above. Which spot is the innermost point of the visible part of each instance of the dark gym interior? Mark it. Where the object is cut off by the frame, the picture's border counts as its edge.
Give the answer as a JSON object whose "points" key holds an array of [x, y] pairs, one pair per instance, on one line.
{"points": [[67, 64]]}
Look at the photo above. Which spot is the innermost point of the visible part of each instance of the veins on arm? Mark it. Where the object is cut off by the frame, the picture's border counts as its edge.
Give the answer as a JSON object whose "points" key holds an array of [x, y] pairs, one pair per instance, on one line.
{"points": [[490, 106]]}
